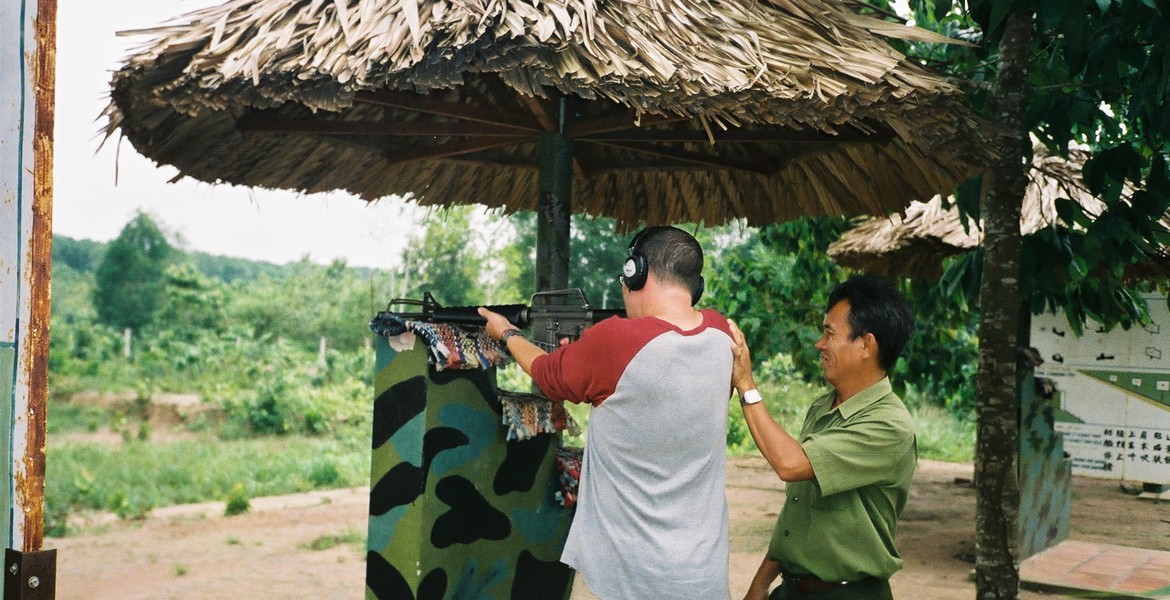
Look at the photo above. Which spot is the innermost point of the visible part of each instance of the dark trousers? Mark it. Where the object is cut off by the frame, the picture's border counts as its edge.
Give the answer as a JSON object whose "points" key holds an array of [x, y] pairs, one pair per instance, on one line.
{"points": [[870, 589]]}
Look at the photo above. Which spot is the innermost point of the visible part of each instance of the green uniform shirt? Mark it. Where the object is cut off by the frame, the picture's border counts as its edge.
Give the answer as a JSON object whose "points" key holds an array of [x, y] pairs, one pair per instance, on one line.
{"points": [[840, 525]]}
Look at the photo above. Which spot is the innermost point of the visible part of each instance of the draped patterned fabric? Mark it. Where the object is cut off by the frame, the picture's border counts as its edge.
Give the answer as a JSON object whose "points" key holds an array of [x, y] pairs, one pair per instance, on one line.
{"points": [[527, 415], [569, 466], [448, 346]]}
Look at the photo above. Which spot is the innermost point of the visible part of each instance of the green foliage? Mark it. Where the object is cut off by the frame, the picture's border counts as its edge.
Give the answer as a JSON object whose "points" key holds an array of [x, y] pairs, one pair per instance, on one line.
{"points": [[72, 294], [943, 435], [131, 278], [193, 303], [229, 269], [1098, 80], [237, 501], [310, 302], [596, 253], [65, 417], [285, 396], [445, 260], [941, 359], [82, 256], [775, 284]]}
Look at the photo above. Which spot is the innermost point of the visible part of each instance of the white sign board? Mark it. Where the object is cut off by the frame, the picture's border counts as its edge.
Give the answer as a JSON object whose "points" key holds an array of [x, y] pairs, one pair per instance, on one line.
{"points": [[1114, 394]]}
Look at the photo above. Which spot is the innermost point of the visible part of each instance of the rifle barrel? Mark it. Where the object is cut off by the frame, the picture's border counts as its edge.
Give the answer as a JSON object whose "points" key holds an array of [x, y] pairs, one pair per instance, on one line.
{"points": [[517, 314]]}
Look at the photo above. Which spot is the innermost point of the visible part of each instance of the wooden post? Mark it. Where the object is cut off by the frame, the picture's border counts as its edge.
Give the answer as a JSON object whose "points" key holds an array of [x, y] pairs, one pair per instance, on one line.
{"points": [[554, 207]]}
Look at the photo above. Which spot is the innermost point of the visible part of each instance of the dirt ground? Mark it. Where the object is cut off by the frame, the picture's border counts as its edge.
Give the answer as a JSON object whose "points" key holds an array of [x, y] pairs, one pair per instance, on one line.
{"points": [[195, 553]]}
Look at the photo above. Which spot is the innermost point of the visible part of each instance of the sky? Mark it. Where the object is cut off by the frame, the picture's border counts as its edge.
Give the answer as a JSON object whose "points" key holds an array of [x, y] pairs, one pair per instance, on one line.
{"points": [[97, 191]]}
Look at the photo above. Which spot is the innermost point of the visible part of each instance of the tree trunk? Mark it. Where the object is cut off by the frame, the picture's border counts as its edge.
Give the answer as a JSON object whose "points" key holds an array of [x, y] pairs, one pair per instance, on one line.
{"points": [[997, 573]]}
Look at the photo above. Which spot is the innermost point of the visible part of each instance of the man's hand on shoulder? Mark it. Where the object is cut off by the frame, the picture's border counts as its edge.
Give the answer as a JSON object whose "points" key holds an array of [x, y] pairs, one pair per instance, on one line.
{"points": [[741, 366]]}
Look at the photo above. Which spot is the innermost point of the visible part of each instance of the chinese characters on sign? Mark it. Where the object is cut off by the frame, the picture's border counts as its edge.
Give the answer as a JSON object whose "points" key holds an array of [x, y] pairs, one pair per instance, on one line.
{"points": [[1110, 451]]}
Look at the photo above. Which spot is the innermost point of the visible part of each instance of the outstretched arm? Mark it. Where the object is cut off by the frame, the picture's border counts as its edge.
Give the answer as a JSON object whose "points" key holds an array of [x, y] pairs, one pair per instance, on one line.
{"points": [[783, 452]]}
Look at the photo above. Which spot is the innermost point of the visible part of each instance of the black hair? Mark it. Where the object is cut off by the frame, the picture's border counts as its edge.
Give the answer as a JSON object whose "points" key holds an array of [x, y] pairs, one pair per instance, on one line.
{"points": [[674, 256], [877, 307]]}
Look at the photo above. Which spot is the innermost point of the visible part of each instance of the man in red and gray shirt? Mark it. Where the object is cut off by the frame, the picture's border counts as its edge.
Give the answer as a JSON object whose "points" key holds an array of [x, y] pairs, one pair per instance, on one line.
{"points": [[651, 520]]}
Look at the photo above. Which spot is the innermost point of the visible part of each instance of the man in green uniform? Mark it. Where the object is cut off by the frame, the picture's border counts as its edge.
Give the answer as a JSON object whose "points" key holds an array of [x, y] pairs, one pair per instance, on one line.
{"points": [[848, 475]]}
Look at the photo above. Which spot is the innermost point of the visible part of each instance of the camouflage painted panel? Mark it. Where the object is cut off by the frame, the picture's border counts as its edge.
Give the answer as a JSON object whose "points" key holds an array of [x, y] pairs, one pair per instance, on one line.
{"points": [[457, 512]]}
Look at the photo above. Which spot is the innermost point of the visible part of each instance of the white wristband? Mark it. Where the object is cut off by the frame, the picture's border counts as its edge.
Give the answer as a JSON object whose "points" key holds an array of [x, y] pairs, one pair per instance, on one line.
{"points": [[751, 396]]}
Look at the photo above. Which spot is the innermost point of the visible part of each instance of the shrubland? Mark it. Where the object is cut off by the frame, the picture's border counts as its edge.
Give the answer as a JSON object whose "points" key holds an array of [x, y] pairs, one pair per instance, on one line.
{"points": [[281, 357]]}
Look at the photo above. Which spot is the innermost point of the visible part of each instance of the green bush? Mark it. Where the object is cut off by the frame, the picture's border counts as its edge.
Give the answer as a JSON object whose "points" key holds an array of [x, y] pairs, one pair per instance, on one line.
{"points": [[285, 400], [738, 435], [324, 473], [237, 501]]}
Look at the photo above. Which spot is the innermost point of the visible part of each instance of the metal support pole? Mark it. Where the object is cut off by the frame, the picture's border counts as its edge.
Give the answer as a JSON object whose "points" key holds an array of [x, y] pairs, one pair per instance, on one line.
{"points": [[553, 208]]}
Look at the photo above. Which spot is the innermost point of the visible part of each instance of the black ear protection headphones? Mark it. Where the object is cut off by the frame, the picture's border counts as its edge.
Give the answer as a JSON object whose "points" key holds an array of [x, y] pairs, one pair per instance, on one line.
{"points": [[635, 269]]}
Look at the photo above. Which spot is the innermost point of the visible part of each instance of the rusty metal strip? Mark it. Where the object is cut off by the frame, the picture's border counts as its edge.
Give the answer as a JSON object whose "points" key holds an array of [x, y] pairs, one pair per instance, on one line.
{"points": [[30, 474]]}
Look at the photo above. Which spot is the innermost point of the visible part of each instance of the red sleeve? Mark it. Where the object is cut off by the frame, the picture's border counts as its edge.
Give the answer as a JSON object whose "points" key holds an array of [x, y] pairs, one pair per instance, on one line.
{"points": [[588, 369]]}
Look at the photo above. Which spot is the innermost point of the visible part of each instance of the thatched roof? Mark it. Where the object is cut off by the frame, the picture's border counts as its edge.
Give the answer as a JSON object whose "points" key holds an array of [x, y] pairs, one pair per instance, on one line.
{"points": [[680, 110], [916, 243]]}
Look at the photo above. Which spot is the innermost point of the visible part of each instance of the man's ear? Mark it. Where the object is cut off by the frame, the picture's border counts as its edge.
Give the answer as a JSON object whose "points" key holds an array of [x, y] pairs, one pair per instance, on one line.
{"points": [[869, 343]]}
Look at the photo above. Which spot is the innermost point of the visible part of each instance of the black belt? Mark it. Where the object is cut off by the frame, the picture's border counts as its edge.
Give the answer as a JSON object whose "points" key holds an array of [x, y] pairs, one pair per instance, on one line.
{"points": [[812, 583]]}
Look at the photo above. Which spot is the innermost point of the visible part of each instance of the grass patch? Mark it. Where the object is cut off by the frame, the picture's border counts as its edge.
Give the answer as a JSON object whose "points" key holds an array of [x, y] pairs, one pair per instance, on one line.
{"points": [[68, 417], [942, 435], [333, 540], [136, 476]]}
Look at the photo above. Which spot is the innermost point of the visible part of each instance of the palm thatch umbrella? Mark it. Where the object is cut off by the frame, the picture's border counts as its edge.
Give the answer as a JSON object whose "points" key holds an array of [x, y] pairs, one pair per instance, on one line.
{"points": [[916, 242], [648, 110]]}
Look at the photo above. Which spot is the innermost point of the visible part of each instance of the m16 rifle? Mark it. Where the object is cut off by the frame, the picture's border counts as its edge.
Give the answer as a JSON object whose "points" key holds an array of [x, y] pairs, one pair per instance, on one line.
{"points": [[553, 316]]}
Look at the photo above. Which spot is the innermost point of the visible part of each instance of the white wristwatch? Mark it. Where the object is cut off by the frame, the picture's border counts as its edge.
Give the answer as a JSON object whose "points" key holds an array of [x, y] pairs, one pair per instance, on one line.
{"points": [[750, 397]]}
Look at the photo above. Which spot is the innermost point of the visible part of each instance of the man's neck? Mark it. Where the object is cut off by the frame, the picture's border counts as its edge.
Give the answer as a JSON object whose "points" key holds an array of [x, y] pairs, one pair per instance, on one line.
{"points": [[673, 305], [855, 385]]}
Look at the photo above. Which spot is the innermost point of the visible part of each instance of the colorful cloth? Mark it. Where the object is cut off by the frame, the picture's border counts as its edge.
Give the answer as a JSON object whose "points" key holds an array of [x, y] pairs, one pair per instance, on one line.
{"points": [[528, 415], [448, 346], [569, 466]]}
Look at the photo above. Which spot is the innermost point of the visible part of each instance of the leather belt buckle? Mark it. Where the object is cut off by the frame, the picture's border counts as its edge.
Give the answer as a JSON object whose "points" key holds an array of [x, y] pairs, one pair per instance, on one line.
{"points": [[810, 583]]}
